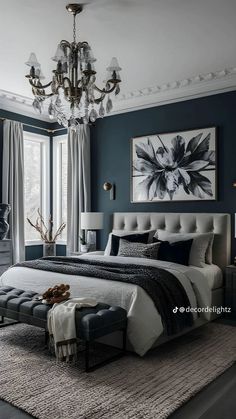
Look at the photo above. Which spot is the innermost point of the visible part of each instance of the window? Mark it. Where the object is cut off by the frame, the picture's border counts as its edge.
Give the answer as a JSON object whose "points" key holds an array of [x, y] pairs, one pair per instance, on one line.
{"points": [[60, 182], [36, 181]]}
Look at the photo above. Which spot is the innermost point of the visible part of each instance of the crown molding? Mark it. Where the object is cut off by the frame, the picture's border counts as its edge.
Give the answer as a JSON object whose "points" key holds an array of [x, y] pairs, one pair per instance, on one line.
{"points": [[186, 89], [13, 102]]}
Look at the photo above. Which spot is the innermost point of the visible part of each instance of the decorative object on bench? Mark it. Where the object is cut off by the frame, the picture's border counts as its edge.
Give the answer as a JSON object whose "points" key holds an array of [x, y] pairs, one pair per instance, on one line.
{"points": [[46, 233], [56, 294], [4, 226], [91, 322], [62, 327]]}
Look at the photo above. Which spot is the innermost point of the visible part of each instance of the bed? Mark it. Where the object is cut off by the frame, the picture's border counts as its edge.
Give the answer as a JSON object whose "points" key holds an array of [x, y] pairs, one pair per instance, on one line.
{"points": [[204, 286]]}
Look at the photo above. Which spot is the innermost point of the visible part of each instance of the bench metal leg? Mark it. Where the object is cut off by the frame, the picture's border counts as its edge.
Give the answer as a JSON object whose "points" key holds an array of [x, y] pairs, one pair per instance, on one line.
{"points": [[87, 347], [124, 332], [46, 337], [89, 368], [1, 319]]}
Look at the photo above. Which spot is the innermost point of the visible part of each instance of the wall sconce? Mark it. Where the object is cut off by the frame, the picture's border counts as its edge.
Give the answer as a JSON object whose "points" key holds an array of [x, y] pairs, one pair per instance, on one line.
{"points": [[234, 184], [110, 187]]}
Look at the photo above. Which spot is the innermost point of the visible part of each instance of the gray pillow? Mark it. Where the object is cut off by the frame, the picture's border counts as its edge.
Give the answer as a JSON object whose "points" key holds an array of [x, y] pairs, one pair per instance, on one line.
{"points": [[121, 233], [138, 250], [202, 244]]}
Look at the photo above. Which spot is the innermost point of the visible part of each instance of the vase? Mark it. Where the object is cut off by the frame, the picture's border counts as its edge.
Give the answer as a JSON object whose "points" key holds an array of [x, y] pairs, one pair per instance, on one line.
{"points": [[4, 226], [49, 249], [84, 248]]}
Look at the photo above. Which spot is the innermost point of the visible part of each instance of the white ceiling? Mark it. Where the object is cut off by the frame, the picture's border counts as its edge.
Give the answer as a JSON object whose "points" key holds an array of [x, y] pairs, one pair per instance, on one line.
{"points": [[156, 41]]}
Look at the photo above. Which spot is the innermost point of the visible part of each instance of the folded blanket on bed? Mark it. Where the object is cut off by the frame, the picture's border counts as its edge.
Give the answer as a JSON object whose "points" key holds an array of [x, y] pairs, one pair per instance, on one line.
{"points": [[163, 287], [62, 328]]}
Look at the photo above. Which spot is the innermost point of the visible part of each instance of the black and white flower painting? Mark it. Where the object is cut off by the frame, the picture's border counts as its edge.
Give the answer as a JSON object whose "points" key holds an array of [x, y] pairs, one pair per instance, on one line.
{"points": [[174, 167]]}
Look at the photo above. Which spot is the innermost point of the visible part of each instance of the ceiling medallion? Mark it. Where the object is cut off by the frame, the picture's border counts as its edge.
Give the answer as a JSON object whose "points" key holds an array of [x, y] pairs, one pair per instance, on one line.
{"points": [[74, 98]]}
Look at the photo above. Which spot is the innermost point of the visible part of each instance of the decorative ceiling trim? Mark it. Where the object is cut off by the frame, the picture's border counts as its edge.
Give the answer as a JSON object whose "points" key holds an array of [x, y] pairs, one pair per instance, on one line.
{"points": [[190, 88], [186, 89], [13, 102]]}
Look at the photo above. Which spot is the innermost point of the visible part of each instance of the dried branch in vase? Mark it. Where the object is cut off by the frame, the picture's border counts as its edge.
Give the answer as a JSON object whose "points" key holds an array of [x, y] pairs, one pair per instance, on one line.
{"points": [[46, 232]]}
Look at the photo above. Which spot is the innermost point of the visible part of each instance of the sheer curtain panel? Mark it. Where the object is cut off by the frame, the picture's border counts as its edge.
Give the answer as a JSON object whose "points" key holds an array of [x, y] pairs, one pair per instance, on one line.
{"points": [[13, 184], [79, 188]]}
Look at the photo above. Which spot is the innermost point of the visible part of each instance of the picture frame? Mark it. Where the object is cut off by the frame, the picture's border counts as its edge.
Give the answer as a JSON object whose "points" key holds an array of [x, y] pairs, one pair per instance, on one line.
{"points": [[175, 166]]}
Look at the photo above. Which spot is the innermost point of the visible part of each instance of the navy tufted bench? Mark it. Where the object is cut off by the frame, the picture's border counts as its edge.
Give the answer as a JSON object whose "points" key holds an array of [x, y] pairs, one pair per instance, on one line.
{"points": [[91, 322]]}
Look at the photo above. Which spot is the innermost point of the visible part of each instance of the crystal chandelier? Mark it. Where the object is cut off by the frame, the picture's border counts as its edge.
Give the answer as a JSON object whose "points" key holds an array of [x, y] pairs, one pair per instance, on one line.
{"points": [[74, 96]]}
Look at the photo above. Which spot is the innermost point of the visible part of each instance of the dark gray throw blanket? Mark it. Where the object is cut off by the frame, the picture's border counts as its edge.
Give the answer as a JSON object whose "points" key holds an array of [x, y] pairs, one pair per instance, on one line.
{"points": [[163, 287]]}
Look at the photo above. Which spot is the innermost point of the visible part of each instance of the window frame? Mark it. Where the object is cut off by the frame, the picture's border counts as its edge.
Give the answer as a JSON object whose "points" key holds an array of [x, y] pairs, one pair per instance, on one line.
{"points": [[44, 141], [57, 168]]}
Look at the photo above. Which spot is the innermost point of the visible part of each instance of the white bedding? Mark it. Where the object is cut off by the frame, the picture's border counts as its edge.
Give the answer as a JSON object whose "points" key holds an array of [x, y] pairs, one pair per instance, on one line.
{"points": [[144, 321]]}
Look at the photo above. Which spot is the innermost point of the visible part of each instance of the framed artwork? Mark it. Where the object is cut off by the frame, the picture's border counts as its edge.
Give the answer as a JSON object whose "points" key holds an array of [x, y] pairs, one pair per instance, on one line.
{"points": [[178, 166]]}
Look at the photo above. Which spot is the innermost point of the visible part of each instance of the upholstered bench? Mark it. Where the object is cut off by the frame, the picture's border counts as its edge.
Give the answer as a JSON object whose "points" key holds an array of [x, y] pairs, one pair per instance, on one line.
{"points": [[91, 323]]}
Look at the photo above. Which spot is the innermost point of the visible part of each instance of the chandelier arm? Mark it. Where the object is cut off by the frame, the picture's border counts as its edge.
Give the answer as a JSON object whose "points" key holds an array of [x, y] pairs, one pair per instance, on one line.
{"points": [[65, 43], [110, 90], [42, 86], [82, 44], [100, 99]]}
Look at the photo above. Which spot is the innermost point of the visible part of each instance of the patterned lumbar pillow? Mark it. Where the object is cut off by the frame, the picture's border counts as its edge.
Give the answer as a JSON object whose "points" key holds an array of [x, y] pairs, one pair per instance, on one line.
{"points": [[138, 250], [113, 242]]}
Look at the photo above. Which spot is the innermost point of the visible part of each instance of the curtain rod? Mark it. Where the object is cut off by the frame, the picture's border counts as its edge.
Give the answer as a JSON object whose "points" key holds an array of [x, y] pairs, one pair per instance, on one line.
{"points": [[34, 126]]}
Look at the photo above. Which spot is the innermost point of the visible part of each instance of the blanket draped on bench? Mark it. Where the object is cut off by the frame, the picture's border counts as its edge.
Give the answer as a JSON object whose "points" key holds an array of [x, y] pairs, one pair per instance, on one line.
{"points": [[163, 287]]}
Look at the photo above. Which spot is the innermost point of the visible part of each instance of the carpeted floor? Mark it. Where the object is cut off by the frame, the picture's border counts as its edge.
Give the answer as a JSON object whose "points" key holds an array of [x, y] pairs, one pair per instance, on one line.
{"points": [[131, 388]]}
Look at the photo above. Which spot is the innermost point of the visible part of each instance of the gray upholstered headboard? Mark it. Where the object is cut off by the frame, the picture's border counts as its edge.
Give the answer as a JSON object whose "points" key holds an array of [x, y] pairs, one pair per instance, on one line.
{"points": [[219, 224]]}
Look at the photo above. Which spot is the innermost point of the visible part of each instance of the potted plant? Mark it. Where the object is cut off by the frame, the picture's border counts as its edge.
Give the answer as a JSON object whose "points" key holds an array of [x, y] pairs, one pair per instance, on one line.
{"points": [[46, 233], [84, 246]]}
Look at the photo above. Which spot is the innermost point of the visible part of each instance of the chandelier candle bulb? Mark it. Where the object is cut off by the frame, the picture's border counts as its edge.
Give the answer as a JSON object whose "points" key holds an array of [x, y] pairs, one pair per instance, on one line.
{"points": [[74, 95], [32, 61]]}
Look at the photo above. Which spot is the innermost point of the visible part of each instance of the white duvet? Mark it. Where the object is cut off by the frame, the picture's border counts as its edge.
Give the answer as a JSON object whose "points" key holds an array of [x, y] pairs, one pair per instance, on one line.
{"points": [[144, 321]]}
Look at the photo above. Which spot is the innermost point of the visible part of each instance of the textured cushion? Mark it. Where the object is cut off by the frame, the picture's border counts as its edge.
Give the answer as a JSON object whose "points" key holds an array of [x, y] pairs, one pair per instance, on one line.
{"points": [[91, 322], [100, 321], [134, 238], [201, 243], [177, 252], [123, 233], [140, 250]]}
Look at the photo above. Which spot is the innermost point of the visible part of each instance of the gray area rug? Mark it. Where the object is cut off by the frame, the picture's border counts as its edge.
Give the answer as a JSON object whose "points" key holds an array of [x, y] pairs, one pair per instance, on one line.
{"points": [[130, 388]]}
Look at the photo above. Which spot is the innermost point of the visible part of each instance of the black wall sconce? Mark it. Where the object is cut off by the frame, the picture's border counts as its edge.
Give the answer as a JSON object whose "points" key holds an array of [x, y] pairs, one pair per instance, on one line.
{"points": [[107, 186]]}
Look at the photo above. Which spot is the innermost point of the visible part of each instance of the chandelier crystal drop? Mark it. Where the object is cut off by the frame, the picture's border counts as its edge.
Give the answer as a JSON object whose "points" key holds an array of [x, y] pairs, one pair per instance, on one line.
{"points": [[73, 98]]}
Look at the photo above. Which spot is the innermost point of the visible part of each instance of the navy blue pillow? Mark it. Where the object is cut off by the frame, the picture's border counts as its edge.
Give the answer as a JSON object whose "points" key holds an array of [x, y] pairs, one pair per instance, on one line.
{"points": [[134, 238], [177, 252]]}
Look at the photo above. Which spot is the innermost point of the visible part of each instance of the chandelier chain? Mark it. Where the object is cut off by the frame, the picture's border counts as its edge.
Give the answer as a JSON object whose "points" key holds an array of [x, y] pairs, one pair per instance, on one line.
{"points": [[74, 28]]}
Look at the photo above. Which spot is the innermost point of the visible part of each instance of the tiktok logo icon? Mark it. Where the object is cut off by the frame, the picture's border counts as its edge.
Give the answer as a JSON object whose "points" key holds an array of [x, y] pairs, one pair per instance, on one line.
{"points": [[175, 310]]}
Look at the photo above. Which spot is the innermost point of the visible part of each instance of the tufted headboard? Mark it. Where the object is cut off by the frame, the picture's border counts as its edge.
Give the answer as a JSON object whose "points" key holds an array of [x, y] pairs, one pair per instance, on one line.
{"points": [[219, 224]]}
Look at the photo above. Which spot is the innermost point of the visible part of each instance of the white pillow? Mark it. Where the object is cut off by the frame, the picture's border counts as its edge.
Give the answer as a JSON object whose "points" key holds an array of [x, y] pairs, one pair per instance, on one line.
{"points": [[121, 233], [201, 250]]}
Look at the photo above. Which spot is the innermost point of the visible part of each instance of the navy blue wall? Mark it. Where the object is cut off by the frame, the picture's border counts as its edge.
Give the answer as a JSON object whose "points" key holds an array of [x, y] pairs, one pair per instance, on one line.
{"points": [[111, 153]]}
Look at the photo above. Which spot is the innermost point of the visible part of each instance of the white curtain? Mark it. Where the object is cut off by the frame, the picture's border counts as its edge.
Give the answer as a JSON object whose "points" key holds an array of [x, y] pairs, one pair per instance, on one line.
{"points": [[13, 184], [79, 187]]}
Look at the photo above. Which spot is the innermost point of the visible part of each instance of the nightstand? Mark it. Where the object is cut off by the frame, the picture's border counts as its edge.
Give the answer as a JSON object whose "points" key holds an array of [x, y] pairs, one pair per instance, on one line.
{"points": [[5, 255], [230, 290]]}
